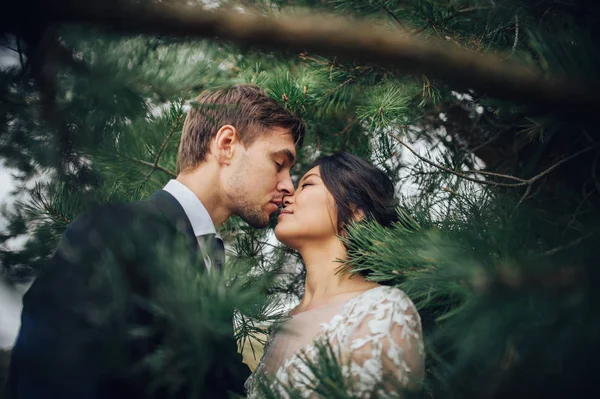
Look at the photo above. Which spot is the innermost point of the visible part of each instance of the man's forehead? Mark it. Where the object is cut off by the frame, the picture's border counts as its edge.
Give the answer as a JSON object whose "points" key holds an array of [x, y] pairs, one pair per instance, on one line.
{"points": [[284, 135], [281, 140]]}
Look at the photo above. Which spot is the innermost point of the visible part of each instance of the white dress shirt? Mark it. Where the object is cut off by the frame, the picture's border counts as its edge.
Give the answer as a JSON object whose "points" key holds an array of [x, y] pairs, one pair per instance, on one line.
{"points": [[199, 218]]}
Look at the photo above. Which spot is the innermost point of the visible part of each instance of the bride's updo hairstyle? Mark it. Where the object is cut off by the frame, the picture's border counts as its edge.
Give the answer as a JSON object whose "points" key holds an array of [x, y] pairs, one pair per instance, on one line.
{"points": [[357, 184]]}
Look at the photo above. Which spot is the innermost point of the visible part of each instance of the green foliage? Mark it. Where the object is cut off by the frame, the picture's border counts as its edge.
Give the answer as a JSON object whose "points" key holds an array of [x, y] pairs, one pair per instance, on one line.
{"points": [[488, 283], [198, 307], [503, 275]]}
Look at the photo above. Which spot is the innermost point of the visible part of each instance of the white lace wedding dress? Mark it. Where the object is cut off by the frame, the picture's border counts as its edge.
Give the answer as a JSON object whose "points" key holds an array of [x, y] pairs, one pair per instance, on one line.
{"points": [[376, 332]]}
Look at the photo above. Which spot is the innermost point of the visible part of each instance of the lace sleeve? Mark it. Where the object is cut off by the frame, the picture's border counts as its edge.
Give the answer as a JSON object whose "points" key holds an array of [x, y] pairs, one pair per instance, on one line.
{"points": [[385, 347]]}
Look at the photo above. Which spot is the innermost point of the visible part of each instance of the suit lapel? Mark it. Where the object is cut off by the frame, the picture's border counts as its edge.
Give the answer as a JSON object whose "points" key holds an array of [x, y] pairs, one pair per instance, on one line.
{"points": [[171, 208]]}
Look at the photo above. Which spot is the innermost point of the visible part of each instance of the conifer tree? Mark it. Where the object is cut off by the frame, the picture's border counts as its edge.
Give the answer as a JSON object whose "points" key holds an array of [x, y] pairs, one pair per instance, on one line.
{"points": [[498, 191]]}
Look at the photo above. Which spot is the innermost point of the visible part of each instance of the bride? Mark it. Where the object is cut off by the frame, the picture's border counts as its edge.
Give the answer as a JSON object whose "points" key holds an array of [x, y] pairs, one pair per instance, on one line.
{"points": [[375, 330]]}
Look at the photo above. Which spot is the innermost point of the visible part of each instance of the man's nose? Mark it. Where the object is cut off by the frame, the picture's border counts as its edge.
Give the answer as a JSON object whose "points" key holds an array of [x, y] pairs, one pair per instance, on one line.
{"points": [[286, 186]]}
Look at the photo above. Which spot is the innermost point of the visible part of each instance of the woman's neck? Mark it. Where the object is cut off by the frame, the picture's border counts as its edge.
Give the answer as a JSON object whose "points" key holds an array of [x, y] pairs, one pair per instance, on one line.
{"points": [[323, 281]]}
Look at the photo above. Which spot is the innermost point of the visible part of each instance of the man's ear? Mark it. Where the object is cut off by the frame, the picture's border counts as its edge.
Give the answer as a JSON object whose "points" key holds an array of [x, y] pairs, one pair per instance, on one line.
{"points": [[225, 143]]}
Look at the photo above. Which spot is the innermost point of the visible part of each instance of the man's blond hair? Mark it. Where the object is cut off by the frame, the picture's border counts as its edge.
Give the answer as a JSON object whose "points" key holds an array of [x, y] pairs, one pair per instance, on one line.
{"points": [[246, 107]]}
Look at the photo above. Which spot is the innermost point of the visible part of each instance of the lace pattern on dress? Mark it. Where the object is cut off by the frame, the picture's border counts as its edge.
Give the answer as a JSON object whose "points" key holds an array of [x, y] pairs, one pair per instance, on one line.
{"points": [[377, 333]]}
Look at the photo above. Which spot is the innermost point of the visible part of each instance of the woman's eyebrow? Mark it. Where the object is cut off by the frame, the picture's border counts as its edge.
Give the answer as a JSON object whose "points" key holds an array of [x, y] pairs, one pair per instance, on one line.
{"points": [[307, 176]]}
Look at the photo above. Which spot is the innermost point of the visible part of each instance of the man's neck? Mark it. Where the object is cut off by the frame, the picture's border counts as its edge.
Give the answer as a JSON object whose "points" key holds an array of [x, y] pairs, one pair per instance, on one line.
{"points": [[204, 182]]}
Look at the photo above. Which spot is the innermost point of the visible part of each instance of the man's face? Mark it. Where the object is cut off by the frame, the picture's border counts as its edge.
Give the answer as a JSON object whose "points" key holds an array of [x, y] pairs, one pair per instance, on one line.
{"points": [[261, 176]]}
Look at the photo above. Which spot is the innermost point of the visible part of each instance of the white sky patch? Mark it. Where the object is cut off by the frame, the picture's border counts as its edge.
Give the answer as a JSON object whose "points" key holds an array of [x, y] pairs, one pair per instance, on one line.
{"points": [[10, 314], [7, 185], [8, 58], [10, 297], [462, 96]]}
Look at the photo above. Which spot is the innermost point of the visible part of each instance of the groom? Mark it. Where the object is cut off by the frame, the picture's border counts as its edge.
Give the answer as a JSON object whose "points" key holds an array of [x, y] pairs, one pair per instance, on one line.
{"points": [[235, 155]]}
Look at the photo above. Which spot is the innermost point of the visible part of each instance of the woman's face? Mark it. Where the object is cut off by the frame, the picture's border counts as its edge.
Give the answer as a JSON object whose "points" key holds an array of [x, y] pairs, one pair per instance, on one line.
{"points": [[308, 215]]}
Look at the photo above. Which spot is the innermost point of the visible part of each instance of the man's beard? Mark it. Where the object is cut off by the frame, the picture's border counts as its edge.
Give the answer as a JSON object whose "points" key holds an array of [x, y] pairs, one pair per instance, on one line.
{"points": [[249, 212], [253, 216]]}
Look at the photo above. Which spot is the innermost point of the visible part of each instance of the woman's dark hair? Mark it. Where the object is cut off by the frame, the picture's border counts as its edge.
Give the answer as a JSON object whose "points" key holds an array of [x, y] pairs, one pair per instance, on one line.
{"points": [[354, 182]]}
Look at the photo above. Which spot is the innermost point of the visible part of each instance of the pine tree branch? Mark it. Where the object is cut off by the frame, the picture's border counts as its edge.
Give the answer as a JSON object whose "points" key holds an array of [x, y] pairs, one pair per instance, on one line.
{"points": [[352, 40], [391, 14], [516, 43], [573, 219], [525, 195], [53, 213], [168, 138], [489, 141], [20, 50], [528, 195], [42, 49], [157, 167], [463, 174], [12, 48], [562, 161], [486, 173], [521, 182], [465, 11], [566, 246]]}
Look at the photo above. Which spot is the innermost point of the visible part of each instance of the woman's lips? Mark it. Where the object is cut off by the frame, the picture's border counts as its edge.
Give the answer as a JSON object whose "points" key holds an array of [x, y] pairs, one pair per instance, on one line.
{"points": [[284, 212]]}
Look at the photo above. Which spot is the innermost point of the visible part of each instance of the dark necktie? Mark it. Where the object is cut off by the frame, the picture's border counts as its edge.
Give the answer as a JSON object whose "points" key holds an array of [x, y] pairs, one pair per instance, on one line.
{"points": [[219, 253], [213, 251]]}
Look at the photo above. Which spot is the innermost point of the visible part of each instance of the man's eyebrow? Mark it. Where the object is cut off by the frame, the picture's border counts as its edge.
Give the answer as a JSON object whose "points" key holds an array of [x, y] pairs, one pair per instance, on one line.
{"points": [[287, 154]]}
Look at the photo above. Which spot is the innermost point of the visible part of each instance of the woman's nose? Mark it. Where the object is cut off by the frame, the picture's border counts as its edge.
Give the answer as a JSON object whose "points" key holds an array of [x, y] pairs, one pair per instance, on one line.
{"points": [[287, 200]]}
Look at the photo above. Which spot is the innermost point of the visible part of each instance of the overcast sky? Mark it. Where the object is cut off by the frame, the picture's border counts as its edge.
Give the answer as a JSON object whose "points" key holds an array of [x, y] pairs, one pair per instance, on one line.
{"points": [[10, 300]]}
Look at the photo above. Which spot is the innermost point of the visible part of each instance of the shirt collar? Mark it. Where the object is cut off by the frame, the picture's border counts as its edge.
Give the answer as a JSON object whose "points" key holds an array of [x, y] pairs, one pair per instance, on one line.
{"points": [[199, 218]]}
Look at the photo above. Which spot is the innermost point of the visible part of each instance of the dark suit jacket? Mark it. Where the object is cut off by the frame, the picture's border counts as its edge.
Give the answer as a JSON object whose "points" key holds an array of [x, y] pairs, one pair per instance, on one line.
{"points": [[87, 330]]}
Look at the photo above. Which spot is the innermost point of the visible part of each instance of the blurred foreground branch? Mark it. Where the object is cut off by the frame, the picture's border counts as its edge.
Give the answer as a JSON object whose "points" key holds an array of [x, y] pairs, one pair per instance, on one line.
{"points": [[330, 35]]}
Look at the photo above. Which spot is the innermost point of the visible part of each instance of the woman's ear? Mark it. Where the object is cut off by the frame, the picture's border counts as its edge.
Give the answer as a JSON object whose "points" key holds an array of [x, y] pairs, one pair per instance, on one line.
{"points": [[357, 214]]}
